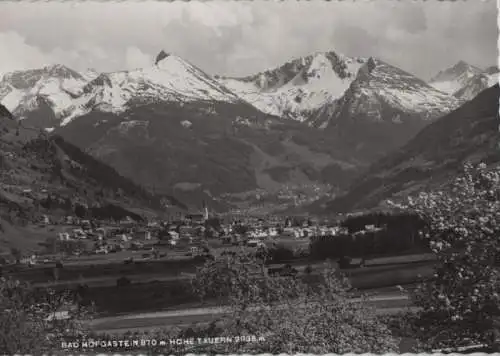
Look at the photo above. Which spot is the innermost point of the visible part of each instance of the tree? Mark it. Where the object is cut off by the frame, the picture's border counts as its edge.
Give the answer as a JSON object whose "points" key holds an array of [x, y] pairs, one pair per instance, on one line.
{"points": [[292, 316], [461, 305], [28, 323], [263, 254], [80, 211]]}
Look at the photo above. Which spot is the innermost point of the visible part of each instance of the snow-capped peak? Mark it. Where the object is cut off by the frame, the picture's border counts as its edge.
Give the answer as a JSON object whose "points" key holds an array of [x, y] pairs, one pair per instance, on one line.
{"points": [[170, 78], [454, 78], [298, 87], [70, 94], [478, 83], [161, 56], [61, 71], [382, 92], [492, 70], [26, 79], [54, 85], [174, 65], [460, 68], [90, 74]]}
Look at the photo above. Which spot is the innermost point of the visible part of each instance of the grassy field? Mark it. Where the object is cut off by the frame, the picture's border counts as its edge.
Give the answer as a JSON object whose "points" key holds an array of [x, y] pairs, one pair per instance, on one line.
{"points": [[397, 275], [26, 238]]}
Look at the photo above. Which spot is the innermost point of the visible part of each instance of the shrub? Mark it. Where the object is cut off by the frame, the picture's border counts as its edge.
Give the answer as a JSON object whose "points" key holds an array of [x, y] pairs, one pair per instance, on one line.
{"points": [[286, 312], [462, 304], [26, 325]]}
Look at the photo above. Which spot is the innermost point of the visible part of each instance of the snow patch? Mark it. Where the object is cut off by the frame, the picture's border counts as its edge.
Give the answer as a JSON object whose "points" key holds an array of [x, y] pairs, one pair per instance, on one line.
{"points": [[476, 85], [493, 79], [448, 87], [12, 98]]}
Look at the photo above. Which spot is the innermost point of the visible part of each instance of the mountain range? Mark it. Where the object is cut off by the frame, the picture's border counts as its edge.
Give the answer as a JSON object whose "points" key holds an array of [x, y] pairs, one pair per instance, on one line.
{"points": [[171, 127], [452, 79], [465, 81]]}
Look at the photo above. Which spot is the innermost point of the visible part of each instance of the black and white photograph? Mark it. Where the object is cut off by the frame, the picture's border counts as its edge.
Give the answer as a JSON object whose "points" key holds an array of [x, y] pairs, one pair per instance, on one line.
{"points": [[248, 177]]}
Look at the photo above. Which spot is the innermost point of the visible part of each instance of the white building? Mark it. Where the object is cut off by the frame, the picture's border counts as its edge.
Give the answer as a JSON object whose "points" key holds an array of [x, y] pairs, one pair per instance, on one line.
{"points": [[64, 236], [173, 235], [273, 232]]}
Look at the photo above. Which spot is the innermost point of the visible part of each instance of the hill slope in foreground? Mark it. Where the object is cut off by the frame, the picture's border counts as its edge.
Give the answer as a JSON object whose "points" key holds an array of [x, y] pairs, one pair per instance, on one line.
{"points": [[436, 154], [42, 175]]}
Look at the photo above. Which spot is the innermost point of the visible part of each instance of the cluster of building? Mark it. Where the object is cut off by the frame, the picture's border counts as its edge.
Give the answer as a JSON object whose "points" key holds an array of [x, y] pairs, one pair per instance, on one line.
{"points": [[187, 232]]}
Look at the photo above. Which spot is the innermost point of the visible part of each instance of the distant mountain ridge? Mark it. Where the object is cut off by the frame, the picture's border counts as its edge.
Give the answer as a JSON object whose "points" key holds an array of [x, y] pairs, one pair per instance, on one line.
{"points": [[465, 81], [171, 79], [382, 109], [478, 83], [297, 88], [306, 89], [64, 94], [452, 79], [380, 85], [53, 87]]}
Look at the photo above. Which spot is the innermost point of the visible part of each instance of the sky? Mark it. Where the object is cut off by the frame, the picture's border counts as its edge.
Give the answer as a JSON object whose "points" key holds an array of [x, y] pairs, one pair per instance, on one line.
{"points": [[238, 38]]}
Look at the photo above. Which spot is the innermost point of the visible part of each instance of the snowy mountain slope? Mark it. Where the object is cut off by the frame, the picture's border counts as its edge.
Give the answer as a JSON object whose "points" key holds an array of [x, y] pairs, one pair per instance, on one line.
{"points": [[70, 94], [477, 84], [382, 109], [454, 78], [90, 74], [170, 79], [299, 87], [55, 86], [9, 96], [382, 92], [315, 89], [307, 89]]}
